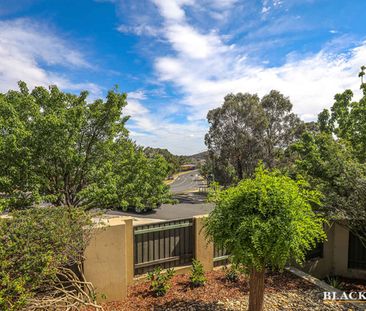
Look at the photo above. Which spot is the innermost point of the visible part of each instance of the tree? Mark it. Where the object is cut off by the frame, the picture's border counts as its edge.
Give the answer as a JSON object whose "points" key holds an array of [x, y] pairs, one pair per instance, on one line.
{"points": [[246, 130], [265, 222], [331, 167], [174, 162], [41, 253], [347, 119], [56, 147], [332, 160]]}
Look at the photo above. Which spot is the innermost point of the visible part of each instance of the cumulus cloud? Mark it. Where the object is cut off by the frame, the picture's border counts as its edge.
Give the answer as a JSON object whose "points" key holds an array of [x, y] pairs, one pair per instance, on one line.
{"points": [[28, 48], [151, 128], [205, 72]]}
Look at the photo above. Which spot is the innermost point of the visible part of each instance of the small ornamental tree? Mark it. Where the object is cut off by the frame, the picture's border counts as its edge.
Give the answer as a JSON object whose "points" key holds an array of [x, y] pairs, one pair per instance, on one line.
{"points": [[264, 223]]}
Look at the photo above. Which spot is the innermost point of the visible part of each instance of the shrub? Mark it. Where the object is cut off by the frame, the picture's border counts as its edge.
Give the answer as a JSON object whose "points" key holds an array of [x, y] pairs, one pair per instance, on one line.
{"points": [[160, 281], [197, 277], [335, 282], [37, 248], [232, 273]]}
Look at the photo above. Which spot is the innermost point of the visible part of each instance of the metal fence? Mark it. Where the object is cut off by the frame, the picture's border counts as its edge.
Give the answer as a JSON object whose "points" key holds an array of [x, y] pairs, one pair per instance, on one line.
{"points": [[166, 244], [356, 253], [220, 256]]}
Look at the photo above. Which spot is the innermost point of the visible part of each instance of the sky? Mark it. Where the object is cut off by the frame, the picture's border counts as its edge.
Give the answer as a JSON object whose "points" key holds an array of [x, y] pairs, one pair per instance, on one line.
{"points": [[177, 59]]}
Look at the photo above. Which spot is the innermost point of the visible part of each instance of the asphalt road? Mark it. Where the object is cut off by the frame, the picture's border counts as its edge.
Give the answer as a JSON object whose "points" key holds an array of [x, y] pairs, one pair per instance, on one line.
{"points": [[186, 182], [190, 203], [197, 206]]}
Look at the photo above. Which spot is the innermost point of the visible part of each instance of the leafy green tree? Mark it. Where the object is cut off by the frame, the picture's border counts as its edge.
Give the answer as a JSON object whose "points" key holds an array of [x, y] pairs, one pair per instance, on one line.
{"points": [[174, 162], [38, 247], [332, 160], [331, 167], [347, 119], [246, 130], [264, 223], [57, 147]]}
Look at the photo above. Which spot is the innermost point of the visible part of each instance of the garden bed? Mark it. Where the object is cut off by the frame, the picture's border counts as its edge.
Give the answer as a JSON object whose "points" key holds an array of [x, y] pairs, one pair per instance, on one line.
{"points": [[283, 292]]}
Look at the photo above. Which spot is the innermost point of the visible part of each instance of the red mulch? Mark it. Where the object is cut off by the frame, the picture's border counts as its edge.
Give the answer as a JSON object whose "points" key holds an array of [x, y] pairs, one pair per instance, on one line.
{"points": [[353, 285], [216, 289]]}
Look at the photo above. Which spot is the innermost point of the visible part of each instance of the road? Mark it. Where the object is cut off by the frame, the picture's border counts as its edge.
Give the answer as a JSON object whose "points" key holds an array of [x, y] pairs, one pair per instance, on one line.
{"points": [[171, 211], [190, 203], [186, 182]]}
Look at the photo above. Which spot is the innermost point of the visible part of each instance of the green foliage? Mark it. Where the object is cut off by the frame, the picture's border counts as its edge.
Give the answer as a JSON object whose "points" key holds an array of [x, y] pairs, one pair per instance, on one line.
{"points": [[246, 130], [34, 245], [335, 282], [59, 148], [174, 162], [232, 273], [197, 277], [160, 281], [333, 161], [347, 119], [266, 221]]}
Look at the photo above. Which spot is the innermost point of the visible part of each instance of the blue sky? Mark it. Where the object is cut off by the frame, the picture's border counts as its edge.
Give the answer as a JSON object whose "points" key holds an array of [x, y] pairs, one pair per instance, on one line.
{"points": [[177, 59]]}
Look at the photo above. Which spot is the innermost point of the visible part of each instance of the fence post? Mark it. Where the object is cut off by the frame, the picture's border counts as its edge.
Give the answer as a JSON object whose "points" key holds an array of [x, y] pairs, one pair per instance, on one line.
{"points": [[203, 250], [106, 263], [340, 252], [129, 249]]}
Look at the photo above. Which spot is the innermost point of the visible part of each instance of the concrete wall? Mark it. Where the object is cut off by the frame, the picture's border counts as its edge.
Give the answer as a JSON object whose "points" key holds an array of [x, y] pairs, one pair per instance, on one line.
{"points": [[109, 258], [335, 255], [203, 250]]}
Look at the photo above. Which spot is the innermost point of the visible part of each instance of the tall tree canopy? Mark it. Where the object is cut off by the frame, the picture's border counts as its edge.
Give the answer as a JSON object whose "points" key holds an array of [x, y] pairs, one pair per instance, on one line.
{"points": [[332, 159], [245, 130], [59, 148]]}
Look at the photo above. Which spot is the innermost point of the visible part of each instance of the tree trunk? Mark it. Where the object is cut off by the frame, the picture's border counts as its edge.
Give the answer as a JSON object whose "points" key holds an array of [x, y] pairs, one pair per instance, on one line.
{"points": [[256, 287]]}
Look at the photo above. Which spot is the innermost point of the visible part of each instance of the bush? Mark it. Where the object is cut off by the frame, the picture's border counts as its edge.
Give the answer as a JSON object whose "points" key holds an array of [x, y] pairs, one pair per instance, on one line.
{"points": [[335, 282], [232, 273], [36, 248], [197, 277], [160, 281]]}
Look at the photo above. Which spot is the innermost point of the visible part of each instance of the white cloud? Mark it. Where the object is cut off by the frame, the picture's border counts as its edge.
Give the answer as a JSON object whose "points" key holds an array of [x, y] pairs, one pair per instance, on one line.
{"points": [[26, 48], [139, 30], [204, 66], [205, 72], [154, 129]]}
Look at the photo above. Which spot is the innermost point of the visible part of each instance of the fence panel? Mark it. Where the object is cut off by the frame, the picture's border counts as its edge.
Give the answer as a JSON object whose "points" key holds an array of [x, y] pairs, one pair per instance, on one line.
{"points": [[356, 253], [220, 256], [166, 244]]}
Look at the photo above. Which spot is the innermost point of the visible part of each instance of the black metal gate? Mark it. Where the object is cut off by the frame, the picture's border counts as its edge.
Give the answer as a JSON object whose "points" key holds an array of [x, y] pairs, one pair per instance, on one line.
{"points": [[166, 244], [356, 253]]}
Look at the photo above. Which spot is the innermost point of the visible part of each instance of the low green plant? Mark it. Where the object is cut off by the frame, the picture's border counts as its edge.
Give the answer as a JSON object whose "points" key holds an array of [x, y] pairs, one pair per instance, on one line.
{"points": [[36, 247], [231, 273], [160, 281], [197, 277], [334, 281]]}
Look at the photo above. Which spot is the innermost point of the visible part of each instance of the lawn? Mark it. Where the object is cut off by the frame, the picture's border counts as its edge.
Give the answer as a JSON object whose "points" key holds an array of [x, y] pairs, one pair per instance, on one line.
{"points": [[282, 292]]}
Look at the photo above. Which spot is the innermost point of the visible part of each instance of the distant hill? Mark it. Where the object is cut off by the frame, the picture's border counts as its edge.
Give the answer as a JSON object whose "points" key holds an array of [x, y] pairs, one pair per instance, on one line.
{"points": [[196, 157], [175, 161]]}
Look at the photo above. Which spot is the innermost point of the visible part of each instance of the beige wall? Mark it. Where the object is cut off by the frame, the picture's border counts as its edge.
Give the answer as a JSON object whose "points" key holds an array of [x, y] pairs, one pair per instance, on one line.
{"points": [[109, 256], [203, 250], [335, 255], [109, 259]]}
